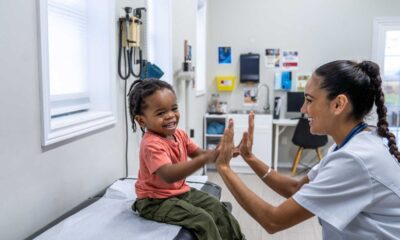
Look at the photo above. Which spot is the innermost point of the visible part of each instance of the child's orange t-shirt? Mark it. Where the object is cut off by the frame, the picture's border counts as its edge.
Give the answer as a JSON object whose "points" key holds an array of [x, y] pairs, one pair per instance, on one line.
{"points": [[156, 151]]}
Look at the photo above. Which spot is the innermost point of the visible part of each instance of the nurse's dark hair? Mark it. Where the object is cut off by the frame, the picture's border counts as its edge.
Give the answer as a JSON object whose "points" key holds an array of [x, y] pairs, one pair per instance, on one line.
{"points": [[362, 84], [138, 93]]}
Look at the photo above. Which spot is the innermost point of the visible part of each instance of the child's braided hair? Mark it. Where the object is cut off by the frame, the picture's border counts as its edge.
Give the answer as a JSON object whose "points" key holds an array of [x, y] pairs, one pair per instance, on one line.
{"points": [[139, 91]]}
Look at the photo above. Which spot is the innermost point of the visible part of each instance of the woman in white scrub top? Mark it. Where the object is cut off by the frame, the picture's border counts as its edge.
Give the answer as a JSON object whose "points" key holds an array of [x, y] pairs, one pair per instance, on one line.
{"points": [[355, 189]]}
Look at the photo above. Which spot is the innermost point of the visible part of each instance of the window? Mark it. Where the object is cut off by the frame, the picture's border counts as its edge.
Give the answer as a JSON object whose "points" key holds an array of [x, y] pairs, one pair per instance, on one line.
{"points": [[159, 36], [386, 52], [77, 67], [201, 23]]}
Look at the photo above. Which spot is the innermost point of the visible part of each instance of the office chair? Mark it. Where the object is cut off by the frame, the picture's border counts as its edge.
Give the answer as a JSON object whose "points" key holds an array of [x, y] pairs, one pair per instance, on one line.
{"points": [[305, 140]]}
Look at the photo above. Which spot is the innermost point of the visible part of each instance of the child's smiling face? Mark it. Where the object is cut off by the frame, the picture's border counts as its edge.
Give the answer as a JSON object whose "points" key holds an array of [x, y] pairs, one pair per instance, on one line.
{"points": [[160, 114]]}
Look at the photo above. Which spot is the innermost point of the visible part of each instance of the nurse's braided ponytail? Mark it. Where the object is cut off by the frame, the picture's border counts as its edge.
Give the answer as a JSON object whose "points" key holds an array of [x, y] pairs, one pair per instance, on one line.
{"points": [[362, 84], [372, 70]]}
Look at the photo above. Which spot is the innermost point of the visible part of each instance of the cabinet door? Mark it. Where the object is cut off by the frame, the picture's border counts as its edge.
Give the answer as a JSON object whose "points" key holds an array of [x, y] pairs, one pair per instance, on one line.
{"points": [[262, 139], [262, 144]]}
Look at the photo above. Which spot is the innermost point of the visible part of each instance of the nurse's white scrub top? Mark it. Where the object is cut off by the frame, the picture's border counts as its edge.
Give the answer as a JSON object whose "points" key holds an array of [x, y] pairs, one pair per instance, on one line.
{"points": [[355, 191]]}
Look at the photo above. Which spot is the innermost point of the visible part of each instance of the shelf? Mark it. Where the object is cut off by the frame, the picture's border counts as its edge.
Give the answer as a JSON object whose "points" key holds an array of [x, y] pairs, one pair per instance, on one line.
{"points": [[214, 135], [216, 116]]}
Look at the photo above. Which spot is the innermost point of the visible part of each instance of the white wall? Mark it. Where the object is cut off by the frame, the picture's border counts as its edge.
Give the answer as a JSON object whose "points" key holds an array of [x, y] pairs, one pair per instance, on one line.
{"points": [[320, 30], [38, 185]]}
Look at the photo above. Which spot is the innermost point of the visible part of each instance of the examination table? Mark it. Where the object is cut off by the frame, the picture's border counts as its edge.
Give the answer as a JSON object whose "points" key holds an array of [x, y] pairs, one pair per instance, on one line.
{"points": [[109, 216]]}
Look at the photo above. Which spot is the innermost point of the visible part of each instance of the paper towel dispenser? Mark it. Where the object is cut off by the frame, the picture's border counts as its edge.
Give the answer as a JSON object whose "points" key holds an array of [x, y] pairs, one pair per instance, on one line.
{"points": [[250, 68]]}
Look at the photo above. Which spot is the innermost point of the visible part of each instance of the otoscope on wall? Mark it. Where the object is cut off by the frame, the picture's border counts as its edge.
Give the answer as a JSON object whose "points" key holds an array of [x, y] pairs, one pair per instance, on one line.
{"points": [[129, 43]]}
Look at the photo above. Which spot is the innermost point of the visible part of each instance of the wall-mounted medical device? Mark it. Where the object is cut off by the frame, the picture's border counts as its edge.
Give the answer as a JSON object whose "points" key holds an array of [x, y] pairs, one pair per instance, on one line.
{"points": [[129, 43], [250, 68]]}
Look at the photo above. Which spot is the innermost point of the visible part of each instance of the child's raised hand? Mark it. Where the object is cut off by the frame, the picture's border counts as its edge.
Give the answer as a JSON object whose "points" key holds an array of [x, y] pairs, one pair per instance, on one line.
{"points": [[226, 148], [211, 155], [236, 150]]}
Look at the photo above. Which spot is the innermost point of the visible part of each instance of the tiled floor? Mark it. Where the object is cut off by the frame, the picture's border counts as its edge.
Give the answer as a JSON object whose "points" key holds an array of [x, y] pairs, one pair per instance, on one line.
{"points": [[308, 230]]}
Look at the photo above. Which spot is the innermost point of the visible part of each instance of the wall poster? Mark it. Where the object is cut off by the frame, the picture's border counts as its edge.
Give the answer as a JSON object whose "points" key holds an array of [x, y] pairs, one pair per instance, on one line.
{"points": [[290, 60], [224, 55], [272, 58]]}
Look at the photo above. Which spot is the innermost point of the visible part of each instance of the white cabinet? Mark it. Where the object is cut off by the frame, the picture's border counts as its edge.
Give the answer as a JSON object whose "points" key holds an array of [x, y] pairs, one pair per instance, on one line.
{"points": [[262, 139], [262, 144]]}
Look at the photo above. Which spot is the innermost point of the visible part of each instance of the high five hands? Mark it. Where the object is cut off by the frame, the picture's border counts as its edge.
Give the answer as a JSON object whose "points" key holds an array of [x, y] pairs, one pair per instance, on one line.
{"points": [[226, 149]]}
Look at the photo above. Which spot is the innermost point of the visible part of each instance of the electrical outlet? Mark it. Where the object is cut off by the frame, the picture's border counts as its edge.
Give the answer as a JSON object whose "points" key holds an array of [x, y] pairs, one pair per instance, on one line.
{"points": [[284, 140], [192, 133]]}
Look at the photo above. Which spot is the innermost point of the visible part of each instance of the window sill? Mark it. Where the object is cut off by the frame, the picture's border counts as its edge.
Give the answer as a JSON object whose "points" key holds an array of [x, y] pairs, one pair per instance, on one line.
{"points": [[67, 127]]}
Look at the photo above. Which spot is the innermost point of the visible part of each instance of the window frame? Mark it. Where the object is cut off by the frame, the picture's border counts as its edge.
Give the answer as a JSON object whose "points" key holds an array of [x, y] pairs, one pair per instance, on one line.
{"points": [[201, 47], [86, 118], [380, 26], [159, 36]]}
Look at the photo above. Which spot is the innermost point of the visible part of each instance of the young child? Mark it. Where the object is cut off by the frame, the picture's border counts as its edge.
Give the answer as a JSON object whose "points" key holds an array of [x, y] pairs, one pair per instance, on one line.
{"points": [[162, 193]]}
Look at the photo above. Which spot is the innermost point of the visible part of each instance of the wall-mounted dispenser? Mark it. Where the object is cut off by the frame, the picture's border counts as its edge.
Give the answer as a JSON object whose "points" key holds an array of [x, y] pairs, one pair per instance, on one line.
{"points": [[250, 68]]}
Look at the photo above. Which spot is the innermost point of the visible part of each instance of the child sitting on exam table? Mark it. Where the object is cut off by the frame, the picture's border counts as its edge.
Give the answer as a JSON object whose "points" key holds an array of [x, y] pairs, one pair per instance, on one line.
{"points": [[162, 193]]}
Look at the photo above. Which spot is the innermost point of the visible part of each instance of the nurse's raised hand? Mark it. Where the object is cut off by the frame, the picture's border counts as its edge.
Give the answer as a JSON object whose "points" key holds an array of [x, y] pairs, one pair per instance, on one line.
{"points": [[251, 129], [246, 144]]}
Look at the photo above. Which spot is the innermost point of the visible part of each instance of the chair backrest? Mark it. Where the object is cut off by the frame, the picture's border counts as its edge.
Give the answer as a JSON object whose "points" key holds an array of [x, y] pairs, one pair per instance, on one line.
{"points": [[303, 138]]}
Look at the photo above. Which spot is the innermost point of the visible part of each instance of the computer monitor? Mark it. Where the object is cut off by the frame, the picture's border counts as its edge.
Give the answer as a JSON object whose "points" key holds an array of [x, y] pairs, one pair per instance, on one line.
{"points": [[294, 102], [250, 68]]}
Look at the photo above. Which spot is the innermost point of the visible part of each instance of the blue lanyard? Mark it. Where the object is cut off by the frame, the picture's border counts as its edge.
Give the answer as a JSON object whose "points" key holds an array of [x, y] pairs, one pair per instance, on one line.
{"points": [[357, 129]]}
